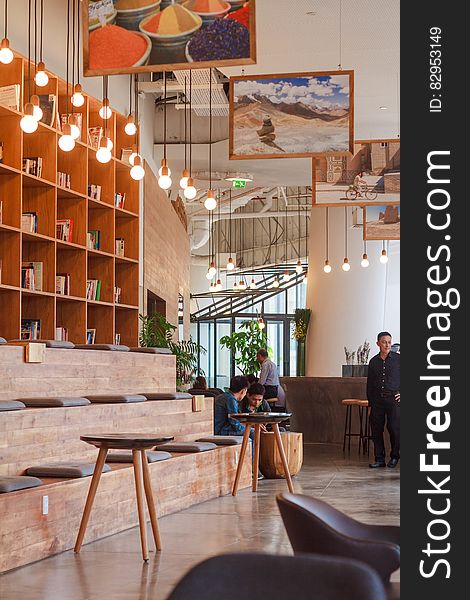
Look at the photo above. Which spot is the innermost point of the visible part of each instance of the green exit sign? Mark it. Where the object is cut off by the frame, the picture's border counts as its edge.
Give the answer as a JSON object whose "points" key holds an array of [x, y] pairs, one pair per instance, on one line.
{"points": [[238, 183]]}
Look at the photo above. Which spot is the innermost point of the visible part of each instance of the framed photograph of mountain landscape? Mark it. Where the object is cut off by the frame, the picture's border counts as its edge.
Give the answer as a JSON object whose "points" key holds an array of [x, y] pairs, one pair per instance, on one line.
{"points": [[381, 222], [132, 36], [291, 115]]}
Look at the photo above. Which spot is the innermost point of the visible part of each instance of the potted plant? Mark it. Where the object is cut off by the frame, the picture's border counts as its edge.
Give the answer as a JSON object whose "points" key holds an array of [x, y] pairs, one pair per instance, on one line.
{"points": [[157, 332], [244, 345], [299, 333]]}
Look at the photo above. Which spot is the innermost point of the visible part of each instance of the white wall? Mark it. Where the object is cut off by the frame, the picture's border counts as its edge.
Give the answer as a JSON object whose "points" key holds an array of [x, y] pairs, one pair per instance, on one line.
{"points": [[348, 307]]}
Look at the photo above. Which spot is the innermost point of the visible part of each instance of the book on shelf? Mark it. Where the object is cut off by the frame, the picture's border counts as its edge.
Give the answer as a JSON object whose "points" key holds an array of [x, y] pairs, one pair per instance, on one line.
{"points": [[94, 137], [29, 222], [30, 329], [62, 284], [90, 336], [32, 165], [64, 229], [117, 295], [32, 276], [94, 191], [93, 289], [1, 152], [119, 200], [1, 212], [63, 179], [49, 111], [61, 334], [119, 244], [65, 118], [117, 339], [10, 96], [93, 239]]}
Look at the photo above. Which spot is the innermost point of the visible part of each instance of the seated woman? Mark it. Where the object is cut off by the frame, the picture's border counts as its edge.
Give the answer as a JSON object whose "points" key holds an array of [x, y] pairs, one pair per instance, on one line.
{"points": [[200, 383], [254, 400]]}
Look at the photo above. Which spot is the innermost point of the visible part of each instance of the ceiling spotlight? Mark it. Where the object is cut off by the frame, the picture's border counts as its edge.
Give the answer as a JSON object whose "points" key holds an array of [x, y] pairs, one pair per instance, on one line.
{"points": [[364, 261], [327, 266], [230, 264], [299, 268], [210, 202], [383, 107], [190, 192], [346, 266], [383, 257]]}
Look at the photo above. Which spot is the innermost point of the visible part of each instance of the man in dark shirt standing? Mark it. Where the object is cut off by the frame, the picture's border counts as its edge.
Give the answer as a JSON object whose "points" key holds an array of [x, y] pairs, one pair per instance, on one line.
{"points": [[383, 394]]}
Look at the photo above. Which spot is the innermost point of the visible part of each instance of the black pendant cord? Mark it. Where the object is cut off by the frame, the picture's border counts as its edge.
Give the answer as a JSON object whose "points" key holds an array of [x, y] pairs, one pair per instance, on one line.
{"points": [[230, 223], [77, 11], [327, 233], [136, 112], [218, 234], [35, 43], [345, 232], [185, 125], [5, 23], [73, 47], [29, 49], [286, 237], [190, 122], [253, 237], [298, 221], [67, 55], [130, 94], [365, 247], [210, 129], [164, 116]]}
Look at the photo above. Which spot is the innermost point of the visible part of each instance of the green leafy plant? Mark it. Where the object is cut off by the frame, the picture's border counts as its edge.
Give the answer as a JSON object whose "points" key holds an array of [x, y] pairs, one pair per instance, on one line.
{"points": [[244, 345], [301, 323], [157, 332]]}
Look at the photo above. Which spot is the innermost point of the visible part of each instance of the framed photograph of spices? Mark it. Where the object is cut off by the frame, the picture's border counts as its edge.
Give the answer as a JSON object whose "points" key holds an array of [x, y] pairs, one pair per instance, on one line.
{"points": [[381, 222], [291, 115], [370, 175], [131, 36]]}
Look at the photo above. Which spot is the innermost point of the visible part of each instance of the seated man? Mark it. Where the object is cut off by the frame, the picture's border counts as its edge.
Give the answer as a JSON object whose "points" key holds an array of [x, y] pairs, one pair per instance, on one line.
{"points": [[226, 404], [254, 400]]}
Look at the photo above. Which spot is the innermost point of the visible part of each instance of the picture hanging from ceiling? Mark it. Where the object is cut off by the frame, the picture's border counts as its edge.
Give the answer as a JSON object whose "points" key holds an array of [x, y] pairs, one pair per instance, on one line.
{"points": [[291, 115], [371, 175], [131, 36], [381, 222]]}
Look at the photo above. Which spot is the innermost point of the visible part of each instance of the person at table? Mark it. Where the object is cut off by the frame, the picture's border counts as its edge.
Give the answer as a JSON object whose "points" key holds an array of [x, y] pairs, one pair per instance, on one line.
{"points": [[228, 403], [383, 394], [254, 400], [268, 376]]}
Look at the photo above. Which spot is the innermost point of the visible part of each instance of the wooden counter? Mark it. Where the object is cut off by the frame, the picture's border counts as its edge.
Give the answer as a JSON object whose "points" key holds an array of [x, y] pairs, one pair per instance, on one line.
{"points": [[316, 405]]}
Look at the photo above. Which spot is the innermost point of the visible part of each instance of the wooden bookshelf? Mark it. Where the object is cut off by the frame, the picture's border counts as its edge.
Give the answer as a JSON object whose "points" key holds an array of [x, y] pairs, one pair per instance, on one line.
{"points": [[21, 192]]}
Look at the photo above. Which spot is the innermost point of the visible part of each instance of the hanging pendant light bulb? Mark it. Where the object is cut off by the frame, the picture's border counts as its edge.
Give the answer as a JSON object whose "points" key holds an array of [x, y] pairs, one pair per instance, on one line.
{"points": [[164, 172], [137, 171], [219, 286], [133, 155], [78, 99], [242, 285], [209, 274], [163, 165], [130, 127], [184, 179], [305, 279], [210, 203], [212, 270], [383, 257], [235, 286], [286, 277], [37, 110], [190, 191], [103, 154], [28, 123], [230, 264], [185, 173], [299, 268], [105, 111], [261, 323], [365, 261], [41, 78], [346, 266], [66, 141], [6, 55], [276, 282], [327, 266], [253, 284], [164, 181]]}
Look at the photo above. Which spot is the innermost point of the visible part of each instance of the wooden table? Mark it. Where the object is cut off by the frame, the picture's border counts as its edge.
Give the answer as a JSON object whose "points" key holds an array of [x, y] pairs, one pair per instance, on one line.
{"points": [[138, 443], [256, 420]]}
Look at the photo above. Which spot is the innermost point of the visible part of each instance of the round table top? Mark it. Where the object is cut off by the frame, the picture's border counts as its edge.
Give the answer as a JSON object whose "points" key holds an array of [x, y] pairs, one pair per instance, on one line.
{"points": [[260, 417], [127, 441]]}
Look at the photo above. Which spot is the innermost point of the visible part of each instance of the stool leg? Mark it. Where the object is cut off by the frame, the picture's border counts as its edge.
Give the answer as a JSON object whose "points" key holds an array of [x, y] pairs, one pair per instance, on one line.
{"points": [[150, 502], [361, 435], [246, 437], [256, 457], [285, 464], [349, 427], [91, 497], [345, 428], [136, 459]]}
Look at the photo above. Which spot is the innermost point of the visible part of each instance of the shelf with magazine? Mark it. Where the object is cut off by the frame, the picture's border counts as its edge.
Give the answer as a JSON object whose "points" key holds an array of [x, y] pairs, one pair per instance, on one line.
{"points": [[71, 269], [40, 154], [37, 317], [100, 278], [71, 221], [98, 127], [38, 266], [38, 213], [100, 232], [77, 115], [71, 320], [100, 320], [127, 229]]}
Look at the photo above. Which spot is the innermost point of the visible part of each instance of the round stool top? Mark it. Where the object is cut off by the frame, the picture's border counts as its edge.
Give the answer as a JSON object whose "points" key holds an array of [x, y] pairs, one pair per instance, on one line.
{"points": [[362, 402], [260, 417], [353, 402], [125, 441]]}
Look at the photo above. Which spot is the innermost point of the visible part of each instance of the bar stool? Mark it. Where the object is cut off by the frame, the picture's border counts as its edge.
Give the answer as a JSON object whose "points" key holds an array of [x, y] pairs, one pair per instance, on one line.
{"points": [[361, 405], [256, 420], [138, 443]]}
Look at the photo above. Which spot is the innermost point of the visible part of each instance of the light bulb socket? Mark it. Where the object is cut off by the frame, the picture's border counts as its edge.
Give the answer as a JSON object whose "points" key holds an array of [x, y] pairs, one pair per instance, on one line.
{"points": [[185, 173], [164, 170], [210, 193], [4, 44], [29, 109], [105, 103], [190, 182], [66, 129], [384, 252], [365, 257], [34, 100], [40, 66], [346, 261], [130, 119], [137, 161], [164, 163], [77, 88], [103, 142]]}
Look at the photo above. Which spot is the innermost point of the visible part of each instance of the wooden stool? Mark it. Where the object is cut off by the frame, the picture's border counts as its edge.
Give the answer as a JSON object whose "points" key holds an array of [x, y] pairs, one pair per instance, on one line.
{"points": [[256, 420], [349, 403], [138, 443], [363, 406], [270, 463]]}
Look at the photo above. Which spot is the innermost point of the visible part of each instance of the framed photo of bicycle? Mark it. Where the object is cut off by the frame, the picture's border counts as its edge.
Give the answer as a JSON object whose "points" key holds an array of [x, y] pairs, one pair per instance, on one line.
{"points": [[370, 175], [291, 115], [381, 222]]}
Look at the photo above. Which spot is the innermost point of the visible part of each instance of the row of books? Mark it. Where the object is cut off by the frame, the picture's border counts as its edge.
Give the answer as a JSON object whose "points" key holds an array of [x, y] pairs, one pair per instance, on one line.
{"points": [[61, 334], [119, 200], [64, 229], [63, 179], [30, 329], [119, 245], [62, 284], [29, 222], [32, 276], [32, 165], [93, 289], [93, 239], [94, 191]]}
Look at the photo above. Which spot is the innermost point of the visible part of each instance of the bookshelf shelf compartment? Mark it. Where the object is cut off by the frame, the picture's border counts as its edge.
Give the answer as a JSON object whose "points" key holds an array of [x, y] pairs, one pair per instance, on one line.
{"points": [[74, 209], [127, 325], [101, 318], [42, 308], [72, 317], [72, 163], [41, 201], [44, 253], [73, 263], [10, 319], [101, 268], [102, 221], [128, 230], [127, 278], [42, 143], [10, 199], [10, 249]]}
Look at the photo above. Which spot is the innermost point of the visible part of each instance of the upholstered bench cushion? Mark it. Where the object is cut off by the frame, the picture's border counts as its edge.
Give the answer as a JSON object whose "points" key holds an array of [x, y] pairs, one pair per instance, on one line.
{"points": [[13, 483], [52, 402], [167, 395], [69, 470], [222, 440], [11, 405], [151, 350], [125, 456], [186, 446], [3, 340], [50, 343], [116, 399], [111, 347]]}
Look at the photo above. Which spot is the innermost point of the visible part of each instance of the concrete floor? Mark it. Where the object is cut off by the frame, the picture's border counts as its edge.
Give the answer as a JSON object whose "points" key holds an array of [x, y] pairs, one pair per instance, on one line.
{"points": [[113, 568]]}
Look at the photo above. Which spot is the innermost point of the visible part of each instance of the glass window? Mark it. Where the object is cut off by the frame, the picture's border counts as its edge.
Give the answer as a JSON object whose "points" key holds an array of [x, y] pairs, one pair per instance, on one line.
{"points": [[276, 305], [224, 367], [296, 298], [275, 331], [206, 360]]}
